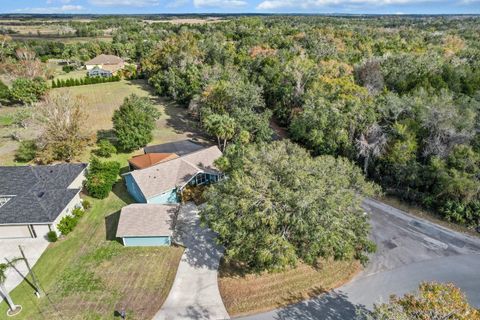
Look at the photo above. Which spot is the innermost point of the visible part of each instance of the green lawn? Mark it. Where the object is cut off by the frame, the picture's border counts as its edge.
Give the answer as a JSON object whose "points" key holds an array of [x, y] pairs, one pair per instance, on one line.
{"points": [[99, 102], [77, 74], [6, 120], [87, 276]]}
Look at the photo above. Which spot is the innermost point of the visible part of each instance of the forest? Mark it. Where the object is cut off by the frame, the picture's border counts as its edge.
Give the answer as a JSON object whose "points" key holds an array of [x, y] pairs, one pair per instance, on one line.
{"points": [[397, 95]]}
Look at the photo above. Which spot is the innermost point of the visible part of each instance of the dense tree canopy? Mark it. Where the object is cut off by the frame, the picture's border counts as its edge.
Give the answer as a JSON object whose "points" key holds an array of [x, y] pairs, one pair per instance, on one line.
{"points": [[134, 122], [397, 95], [279, 205]]}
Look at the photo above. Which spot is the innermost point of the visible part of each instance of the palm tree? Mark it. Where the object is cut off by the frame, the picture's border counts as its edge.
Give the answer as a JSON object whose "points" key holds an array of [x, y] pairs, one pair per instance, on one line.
{"points": [[3, 277]]}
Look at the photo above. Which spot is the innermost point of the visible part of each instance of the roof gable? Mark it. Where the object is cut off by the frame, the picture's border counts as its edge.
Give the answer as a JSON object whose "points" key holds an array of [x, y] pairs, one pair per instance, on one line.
{"points": [[180, 148], [104, 59], [146, 220], [40, 193], [170, 174]]}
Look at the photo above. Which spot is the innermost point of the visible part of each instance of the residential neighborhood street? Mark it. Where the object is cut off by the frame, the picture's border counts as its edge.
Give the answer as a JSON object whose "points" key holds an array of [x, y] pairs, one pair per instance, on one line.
{"points": [[410, 250], [194, 294]]}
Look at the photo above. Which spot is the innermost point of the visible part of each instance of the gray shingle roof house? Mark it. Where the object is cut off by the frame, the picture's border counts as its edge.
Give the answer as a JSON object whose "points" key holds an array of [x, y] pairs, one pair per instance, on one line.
{"points": [[161, 183], [180, 148], [33, 199], [157, 189], [147, 224]]}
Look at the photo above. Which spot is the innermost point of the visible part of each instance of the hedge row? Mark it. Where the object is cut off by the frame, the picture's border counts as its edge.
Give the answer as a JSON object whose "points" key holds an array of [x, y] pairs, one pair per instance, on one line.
{"points": [[59, 83]]}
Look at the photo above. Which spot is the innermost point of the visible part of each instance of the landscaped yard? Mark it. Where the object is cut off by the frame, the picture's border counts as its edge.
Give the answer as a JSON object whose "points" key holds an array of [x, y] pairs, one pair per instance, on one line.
{"points": [[100, 101], [247, 294], [89, 275]]}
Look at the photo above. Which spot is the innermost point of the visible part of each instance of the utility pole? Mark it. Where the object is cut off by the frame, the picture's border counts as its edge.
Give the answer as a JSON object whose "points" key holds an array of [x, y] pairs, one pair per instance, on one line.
{"points": [[36, 283]]}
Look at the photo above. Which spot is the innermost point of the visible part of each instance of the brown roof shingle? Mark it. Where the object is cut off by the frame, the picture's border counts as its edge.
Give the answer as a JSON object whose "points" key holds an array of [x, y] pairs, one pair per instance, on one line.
{"points": [[147, 220], [147, 160], [104, 59]]}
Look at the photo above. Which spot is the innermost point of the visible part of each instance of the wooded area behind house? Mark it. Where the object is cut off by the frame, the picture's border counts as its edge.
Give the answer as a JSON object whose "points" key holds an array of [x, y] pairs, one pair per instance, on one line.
{"points": [[398, 95]]}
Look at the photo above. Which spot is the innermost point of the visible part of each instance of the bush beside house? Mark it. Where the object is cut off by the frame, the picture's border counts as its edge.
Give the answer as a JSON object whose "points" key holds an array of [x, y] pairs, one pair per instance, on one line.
{"points": [[101, 177]]}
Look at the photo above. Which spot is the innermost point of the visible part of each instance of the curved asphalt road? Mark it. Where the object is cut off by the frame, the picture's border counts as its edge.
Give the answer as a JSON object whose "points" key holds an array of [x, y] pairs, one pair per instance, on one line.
{"points": [[410, 250]]}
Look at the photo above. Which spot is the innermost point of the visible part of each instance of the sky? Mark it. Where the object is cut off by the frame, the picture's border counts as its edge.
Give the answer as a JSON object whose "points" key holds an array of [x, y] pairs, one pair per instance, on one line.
{"points": [[242, 6]]}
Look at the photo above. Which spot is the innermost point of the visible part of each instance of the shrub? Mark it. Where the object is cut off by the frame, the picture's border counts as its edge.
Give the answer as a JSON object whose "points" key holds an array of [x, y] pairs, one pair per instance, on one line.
{"points": [[68, 69], [52, 236], [66, 225], [26, 151], [101, 177], [105, 148], [78, 213], [86, 204]]}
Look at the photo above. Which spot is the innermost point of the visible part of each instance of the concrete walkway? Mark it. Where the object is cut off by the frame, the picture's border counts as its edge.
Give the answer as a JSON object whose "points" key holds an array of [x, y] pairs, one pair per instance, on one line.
{"points": [[33, 249], [195, 294]]}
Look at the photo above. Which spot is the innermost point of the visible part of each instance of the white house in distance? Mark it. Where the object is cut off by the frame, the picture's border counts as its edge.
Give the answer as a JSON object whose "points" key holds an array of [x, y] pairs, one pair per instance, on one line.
{"points": [[33, 199], [105, 62]]}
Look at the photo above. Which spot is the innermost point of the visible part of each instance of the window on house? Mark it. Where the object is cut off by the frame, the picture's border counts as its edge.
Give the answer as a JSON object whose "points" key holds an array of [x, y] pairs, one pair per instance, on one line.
{"points": [[201, 179]]}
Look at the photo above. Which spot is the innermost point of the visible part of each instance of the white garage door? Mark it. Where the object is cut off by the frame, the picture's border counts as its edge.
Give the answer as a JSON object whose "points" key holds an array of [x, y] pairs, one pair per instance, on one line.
{"points": [[14, 232]]}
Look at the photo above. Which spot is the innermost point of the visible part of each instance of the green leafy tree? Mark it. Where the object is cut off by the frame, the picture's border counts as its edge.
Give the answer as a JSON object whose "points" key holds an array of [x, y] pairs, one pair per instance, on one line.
{"points": [[279, 205], [27, 90], [220, 126], [433, 301], [134, 122]]}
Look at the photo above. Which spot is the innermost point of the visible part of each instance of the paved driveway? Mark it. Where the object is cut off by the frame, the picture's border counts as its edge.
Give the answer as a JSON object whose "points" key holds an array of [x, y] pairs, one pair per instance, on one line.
{"points": [[410, 250], [33, 249], [194, 294]]}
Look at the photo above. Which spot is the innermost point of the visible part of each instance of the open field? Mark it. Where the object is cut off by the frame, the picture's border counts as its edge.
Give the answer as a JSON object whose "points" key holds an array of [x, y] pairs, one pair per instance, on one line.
{"points": [[100, 101], [247, 294], [8, 145], [89, 275]]}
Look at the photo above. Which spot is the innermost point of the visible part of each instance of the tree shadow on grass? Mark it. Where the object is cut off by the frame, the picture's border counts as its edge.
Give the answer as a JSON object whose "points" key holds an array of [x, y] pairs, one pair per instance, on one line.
{"points": [[333, 305], [120, 191], [111, 224]]}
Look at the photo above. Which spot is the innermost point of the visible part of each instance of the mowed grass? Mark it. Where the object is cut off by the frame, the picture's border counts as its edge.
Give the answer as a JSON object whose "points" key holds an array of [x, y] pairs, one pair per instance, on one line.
{"points": [[99, 102], [89, 275], [253, 293]]}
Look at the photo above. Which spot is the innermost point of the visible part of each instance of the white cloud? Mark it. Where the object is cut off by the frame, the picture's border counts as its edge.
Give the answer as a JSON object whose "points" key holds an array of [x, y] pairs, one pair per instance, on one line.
{"points": [[306, 4], [219, 3], [124, 3], [44, 10]]}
